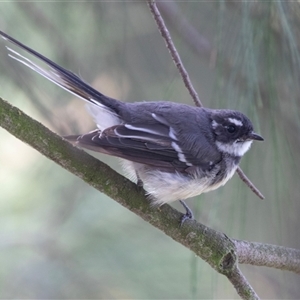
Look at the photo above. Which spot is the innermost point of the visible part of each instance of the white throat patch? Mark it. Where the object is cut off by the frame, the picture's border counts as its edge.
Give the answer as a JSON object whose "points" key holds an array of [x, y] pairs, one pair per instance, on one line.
{"points": [[236, 148]]}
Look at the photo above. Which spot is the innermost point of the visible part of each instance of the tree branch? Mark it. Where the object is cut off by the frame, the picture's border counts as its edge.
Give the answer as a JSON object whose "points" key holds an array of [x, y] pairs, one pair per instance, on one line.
{"points": [[277, 257], [241, 285], [212, 246]]}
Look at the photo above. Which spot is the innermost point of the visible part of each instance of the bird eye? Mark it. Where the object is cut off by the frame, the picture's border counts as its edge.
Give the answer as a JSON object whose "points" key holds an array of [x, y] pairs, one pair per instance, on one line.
{"points": [[231, 128]]}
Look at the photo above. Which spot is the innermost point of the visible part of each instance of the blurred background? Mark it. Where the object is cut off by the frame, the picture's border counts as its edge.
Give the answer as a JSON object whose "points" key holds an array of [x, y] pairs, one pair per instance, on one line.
{"points": [[60, 238]]}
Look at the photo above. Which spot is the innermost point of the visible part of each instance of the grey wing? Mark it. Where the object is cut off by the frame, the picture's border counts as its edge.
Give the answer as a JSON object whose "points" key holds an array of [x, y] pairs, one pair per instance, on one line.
{"points": [[153, 144]]}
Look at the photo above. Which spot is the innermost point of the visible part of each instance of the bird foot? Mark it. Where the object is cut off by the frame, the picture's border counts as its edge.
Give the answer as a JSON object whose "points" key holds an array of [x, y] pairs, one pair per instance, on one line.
{"points": [[188, 213]]}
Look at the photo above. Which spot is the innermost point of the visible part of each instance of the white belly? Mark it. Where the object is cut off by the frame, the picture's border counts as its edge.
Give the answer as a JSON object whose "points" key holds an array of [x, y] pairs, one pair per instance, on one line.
{"points": [[163, 187]]}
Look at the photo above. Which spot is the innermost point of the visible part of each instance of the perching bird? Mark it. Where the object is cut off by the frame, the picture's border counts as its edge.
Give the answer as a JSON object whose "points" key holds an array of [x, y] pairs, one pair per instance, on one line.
{"points": [[175, 150]]}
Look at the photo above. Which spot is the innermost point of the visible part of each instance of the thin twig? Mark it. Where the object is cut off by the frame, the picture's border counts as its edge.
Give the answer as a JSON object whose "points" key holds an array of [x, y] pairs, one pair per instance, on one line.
{"points": [[190, 35], [175, 56], [252, 187], [240, 283], [186, 79]]}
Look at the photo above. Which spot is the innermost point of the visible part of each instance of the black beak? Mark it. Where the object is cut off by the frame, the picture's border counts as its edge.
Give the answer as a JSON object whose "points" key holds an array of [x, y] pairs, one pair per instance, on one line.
{"points": [[255, 136]]}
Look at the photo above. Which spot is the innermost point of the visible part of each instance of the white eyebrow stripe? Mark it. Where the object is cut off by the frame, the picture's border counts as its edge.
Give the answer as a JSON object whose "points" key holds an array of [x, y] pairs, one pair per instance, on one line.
{"points": [[235, 121]]}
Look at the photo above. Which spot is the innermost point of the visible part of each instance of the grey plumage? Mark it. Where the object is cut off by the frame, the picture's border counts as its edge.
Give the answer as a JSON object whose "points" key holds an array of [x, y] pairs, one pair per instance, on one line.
{"points": [[176, 150]]}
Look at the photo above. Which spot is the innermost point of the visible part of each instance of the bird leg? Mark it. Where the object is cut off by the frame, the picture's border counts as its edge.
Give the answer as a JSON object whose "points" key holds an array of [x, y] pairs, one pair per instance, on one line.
{"points": [[188, 213]]}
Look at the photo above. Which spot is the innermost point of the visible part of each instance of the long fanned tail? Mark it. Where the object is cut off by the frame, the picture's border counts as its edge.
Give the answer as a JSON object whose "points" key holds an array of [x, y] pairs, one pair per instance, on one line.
{"points": [[60, 76]]}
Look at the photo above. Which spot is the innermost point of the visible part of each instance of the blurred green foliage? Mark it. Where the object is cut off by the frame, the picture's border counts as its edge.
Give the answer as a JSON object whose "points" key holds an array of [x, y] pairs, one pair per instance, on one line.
{"points": [[59, 238]]}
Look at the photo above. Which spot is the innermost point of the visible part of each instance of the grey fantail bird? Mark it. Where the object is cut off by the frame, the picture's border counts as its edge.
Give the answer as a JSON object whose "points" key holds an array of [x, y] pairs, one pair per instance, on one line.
{"points": [[174, 150]]}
